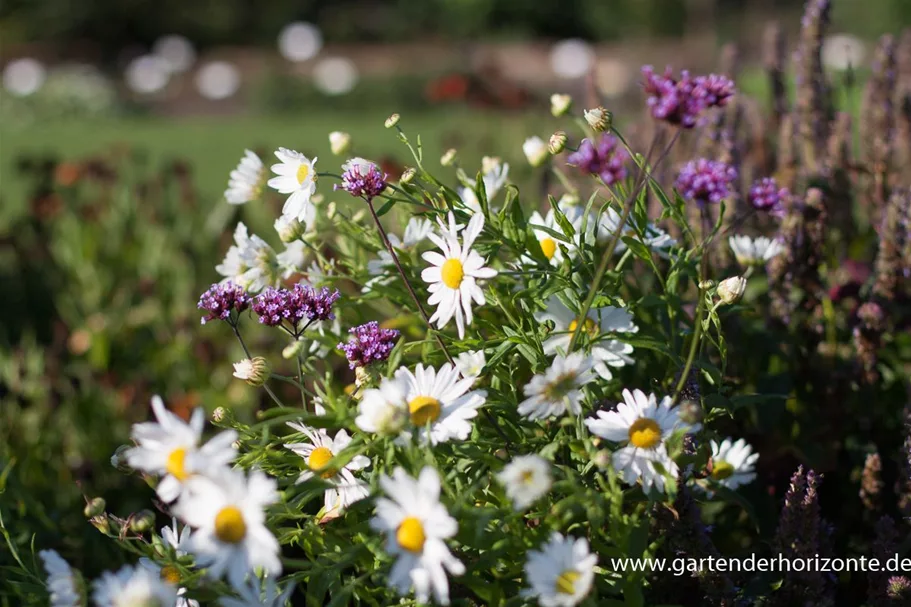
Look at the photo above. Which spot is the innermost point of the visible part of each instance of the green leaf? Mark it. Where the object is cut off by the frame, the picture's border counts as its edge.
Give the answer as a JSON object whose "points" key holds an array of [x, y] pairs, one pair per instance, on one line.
{"points": [[561, 219], [385, 208]]}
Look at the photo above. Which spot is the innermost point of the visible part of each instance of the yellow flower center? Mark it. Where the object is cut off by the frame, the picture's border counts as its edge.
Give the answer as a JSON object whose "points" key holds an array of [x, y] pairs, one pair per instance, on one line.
{"points": [[721, 470], [645, 433], [548, 247], [452, 273], [527, 477], [175, 464], [424, 409], [229, 525], [303, 171], [566, 581], [170, 574], [318, 459], [410, 534], [588, 326]]}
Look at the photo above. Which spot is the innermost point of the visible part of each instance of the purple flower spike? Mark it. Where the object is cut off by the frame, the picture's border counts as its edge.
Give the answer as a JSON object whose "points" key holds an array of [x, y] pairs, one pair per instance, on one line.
{"points": [[370, 344], [221, 299], [362, 178], [607, 159], [277, 305], [765, 195], [681, 101], [705, 181]]}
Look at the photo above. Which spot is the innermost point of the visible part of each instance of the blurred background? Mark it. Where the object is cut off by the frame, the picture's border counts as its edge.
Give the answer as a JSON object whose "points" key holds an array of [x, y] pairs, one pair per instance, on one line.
{"points": [[121, 119]]}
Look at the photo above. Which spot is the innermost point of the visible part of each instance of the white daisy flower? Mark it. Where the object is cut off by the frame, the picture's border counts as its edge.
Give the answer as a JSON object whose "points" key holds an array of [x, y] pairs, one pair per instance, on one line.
{"points": [[526, 478], [63, 584], [169, 575], [535, 150], [171, 538], [256, 593], [561, 572], [346, 489], [246, 181], [471, 363], [296, 175], [495, 175], [132, 586], [225, 510], [171, 448], [733, 463], [599, 324], [441, 399], [559, 388], [750, 252], [291, 260], [384, 410], [339, 142], [655, 239], [550, 245], [416, 525], [644, 425], [453, 275], [250, 262]]}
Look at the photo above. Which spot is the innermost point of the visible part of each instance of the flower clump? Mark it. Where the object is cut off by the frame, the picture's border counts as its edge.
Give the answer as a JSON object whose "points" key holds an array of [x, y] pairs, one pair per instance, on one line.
{"points": [[606, 160], [220, 300], [705, 181], [363, 179], [681, 101], [276, 306], [766, 195], [369, 344]]}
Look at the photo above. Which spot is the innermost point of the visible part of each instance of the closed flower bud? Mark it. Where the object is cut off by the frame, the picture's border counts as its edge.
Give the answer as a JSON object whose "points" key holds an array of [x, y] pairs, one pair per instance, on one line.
{"points": [[94, 507], [602, 459], [392, 121], [535, 151], [705, 285], [101, 523], [254, 371], [289, 229], [599, 119], [331, 209], [219, 414], [490, 164], [502, 454], [560, 104], [119, 460], [557, 143], [142, 521], [339, 142], [730, 290], [408, 175], [449, 157], [293, 349]]}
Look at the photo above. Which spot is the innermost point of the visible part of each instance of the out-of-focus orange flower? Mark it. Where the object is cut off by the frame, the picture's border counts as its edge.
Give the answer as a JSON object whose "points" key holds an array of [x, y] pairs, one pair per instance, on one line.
{"points": [[182, 406], [67, 174]]}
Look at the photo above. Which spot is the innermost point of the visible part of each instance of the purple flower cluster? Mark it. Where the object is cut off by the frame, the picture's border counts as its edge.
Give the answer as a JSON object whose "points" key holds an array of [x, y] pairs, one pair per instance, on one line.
{"points": [[681, 101], [221, 299], [705, 181], [765, 195], [370, 344], [303, 301], [362, 179], [607, 159]]}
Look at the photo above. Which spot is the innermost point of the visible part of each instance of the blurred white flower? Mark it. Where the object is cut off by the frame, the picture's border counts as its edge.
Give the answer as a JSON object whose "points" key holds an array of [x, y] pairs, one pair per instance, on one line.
{"points": [[535, 150], [246, 181], [24, 76], [559, 388], [339, 142], [335, 75], [571, 58], [733, 463], [133, 586], [177, 52], [299, 41], [384, 410], [561, 573], [256, 593], [841, 51], [62, 582], [217, 80], [754, 252], [471, 363], [526, 478], [147, 74]]}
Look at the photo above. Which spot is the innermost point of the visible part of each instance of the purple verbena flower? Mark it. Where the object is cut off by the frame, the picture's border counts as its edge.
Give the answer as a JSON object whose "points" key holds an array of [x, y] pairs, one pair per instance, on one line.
{"points": [[370, 344], [362, 178], [704, 181], [303, 301], [221, 299], [681, 101], [607, 159], [765, 195]]}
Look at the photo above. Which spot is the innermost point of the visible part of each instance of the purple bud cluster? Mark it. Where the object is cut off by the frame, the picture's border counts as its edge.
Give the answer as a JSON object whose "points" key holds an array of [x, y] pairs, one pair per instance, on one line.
{"points": [[303, 301], [607, 159], [363, 179], [680, 102], [705, 181], [221, 299], [370, 344], [765, 195]]}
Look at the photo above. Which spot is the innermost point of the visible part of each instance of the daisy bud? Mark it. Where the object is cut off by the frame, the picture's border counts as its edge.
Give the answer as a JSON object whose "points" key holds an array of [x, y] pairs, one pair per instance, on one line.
{"points": [[142, 521], [560, 104], [392, 121], [219, 414], [602, 459], [339, 142], [101, 523], [490, 164], [331, 209], [289, 228], [119, 460], [94, 507], [705, 285], [449, 157], [502, 454], [535, 151], [254, 371], [730, 290], [599, 119], [408, 176], [568, 199], [557, 143], [293, 349]]}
